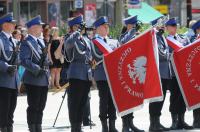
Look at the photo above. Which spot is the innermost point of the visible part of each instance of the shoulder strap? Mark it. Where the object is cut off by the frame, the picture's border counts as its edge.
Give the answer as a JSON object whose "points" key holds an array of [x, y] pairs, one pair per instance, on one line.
{"points": [[33, 50], [103, 47], [2, 50]]}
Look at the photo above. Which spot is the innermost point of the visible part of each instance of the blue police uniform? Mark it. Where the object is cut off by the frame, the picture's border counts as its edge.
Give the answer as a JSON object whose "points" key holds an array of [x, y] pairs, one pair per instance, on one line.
{"points": [[196, 112], [127, 120], [36, 75], [106, 106], [165, 74], [8, 75], [195, 26], [128, 35], [177, 105], [78, 52]]}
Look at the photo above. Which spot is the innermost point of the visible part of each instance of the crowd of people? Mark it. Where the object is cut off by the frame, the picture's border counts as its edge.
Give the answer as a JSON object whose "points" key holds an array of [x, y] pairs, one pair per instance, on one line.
{"points": [[38, 52]]}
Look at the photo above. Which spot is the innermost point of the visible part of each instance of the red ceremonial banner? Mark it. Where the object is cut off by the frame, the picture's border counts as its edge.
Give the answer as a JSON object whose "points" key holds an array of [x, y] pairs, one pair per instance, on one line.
{"points": [[186, 64], [174, 44], [133, 74]]}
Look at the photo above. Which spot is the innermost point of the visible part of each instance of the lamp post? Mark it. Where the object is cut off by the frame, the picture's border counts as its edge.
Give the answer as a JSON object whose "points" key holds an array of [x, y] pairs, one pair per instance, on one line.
{"points": [[189, 12]]}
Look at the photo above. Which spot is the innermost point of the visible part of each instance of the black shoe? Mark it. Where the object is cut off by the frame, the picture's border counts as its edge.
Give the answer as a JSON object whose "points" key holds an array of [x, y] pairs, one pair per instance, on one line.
{"points": [[132, 126], [76, 127], [10, 129], [112, 127], [175, 122], [155, 125], [104, 126], [32, 128], [182, 123], [4, 129], [89, 123], [125, 125]]}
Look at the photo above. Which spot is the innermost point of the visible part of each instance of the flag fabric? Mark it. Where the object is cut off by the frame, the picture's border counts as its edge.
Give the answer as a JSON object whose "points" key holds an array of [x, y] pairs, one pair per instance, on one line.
{"points": [[102, 46], [133, 74], [186, 64], [175, 45]]}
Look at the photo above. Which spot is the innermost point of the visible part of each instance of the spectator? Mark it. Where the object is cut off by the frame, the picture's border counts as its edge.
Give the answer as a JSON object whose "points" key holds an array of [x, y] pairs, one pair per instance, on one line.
{"points": [[55, 56]]}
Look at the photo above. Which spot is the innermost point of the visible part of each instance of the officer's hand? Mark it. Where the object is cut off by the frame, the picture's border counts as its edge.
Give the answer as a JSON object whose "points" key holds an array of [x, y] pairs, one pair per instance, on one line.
{"points": [[42, 71], [11, 70]]}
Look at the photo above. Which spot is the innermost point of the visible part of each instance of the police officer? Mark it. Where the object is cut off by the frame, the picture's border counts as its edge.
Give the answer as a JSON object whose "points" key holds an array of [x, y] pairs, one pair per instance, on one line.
{"points": [[34, 59], [130, 33], [78, 49], [196, 112], [8, 74], [165, 74], [196, 29], [106, 107], [177, 105]]}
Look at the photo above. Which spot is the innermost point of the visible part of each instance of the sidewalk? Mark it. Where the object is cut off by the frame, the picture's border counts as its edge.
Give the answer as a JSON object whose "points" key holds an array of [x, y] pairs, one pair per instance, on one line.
{"points": [[141, 119]]}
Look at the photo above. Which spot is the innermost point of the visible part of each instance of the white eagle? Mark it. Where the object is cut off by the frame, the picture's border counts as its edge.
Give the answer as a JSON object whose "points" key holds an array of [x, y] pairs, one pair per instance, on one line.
{"points": [[138, 69]]}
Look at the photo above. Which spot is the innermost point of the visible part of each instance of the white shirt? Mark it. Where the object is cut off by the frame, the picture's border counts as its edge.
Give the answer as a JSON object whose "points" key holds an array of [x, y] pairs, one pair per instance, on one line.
{"points": [[8, 35], [35, 38]]}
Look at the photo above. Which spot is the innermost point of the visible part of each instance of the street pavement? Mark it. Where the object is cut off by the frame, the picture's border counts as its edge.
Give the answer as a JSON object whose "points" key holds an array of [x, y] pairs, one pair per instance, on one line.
{"points": [[141, 119]]}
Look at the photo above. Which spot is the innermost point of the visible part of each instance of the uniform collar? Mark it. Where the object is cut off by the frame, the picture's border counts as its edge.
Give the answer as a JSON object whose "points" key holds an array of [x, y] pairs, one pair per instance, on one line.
{"points": [[173, 35], [35, 38], [7, 34], [97, 35]]}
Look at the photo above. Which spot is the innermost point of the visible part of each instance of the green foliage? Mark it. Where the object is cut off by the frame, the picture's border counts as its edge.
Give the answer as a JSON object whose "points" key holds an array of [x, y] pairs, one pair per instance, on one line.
{"points": [[182, 30], [115, 31]]}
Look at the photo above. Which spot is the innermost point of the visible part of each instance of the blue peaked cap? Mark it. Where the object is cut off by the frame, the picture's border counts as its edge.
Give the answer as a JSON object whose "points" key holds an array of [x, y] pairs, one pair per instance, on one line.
{"points": [[131, 20], [100, 21], [35, 21], [196, 25], [7, 18], [76, 20], [171, 22]]}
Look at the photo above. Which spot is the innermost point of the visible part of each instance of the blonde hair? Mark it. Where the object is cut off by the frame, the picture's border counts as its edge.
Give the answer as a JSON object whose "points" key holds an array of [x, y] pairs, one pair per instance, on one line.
{"points": [[53, 30], [191, 23]]}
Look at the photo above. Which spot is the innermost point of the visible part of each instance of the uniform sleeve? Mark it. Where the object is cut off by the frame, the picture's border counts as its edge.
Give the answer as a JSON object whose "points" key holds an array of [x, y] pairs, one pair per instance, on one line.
{"points": [[25, 57], [164, 55], [69, 42], [125, 38], [3, 65]]}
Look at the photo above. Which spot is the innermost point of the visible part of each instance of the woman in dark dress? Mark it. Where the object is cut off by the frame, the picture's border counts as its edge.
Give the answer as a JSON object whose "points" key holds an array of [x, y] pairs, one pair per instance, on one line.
{"points": [[55, 56]]}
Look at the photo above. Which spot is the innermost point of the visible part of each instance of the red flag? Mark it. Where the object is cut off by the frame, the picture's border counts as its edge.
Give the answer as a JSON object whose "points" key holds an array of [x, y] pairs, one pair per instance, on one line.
{"points": [[174, 44], [132, 73], [186, 64], [103, 47]]}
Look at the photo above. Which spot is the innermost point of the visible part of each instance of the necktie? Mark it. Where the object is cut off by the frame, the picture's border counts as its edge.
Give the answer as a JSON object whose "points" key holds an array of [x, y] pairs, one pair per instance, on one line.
{"points": [[13, 46], [175, 37], [105, 40], [40, 44]]}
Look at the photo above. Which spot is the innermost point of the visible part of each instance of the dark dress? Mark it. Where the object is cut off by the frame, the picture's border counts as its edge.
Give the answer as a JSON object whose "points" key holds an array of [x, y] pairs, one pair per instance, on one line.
{"points": [[53, 47]]}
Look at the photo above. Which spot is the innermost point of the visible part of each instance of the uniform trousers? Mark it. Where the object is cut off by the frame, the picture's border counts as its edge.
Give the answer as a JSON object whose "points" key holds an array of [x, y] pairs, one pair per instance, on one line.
{"points": [[156, 107], [36, 98], [77, 98], [8, 101], [86, 111], [106, 107], [177, 104]]}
